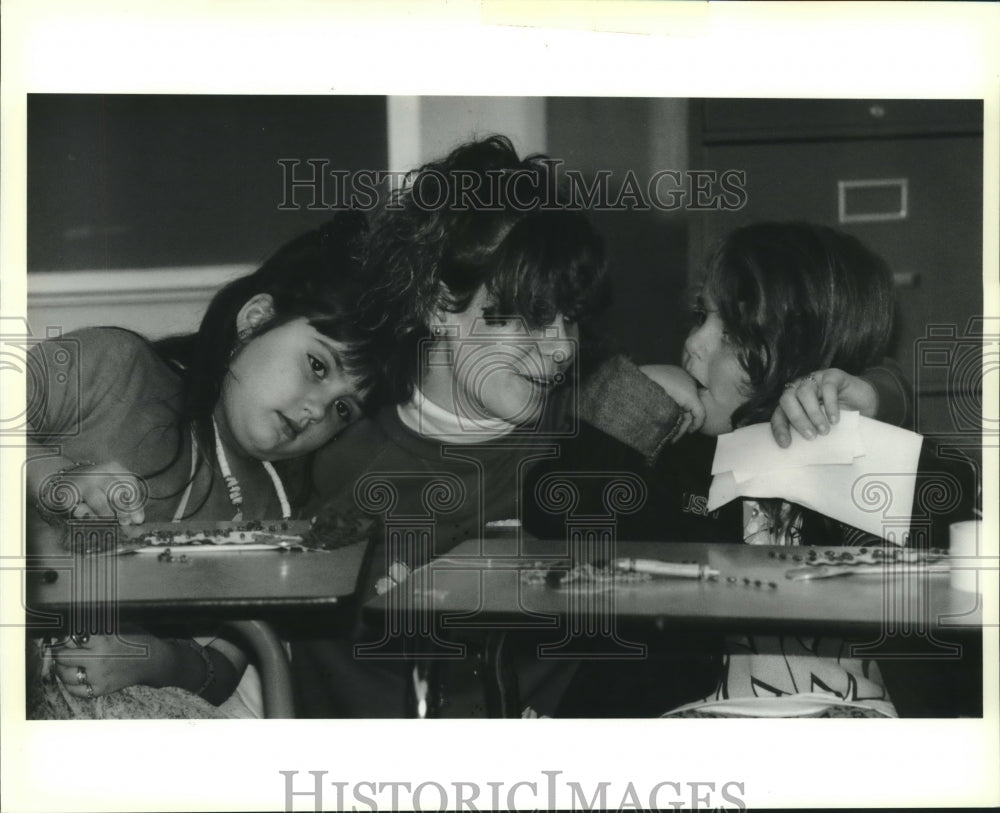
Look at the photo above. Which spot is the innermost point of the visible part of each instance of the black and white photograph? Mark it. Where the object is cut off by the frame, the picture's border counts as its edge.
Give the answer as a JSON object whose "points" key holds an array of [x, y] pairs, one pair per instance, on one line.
{"points": [[497, 441]]}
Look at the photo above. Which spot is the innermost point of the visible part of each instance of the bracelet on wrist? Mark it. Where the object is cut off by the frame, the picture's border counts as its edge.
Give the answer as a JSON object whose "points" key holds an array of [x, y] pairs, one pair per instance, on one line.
{"points": [[51, 508], [79, 464], [206, 658]]}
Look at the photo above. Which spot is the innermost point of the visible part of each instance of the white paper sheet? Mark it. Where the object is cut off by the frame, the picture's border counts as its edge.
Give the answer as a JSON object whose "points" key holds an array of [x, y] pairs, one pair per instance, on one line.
{"points": [[751, 451], [862, 473]]}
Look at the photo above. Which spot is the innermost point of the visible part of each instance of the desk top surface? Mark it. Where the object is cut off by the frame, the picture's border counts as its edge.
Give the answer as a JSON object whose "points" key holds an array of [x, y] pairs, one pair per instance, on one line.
{"points": [[215, 580], [497, 580]]}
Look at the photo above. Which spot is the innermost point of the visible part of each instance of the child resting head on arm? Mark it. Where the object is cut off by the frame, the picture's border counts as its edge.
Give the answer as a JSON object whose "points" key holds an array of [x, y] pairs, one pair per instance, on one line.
{"points": [[187, 427]]}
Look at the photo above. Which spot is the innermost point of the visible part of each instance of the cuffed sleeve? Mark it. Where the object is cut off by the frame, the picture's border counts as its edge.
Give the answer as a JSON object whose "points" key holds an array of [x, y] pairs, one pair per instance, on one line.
{"points": [[892, 391], [622, 402]]}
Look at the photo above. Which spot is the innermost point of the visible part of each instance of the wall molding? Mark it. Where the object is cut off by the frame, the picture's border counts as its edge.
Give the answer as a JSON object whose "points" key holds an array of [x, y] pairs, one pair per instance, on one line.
{"points": [[153, 301], [134, 287]]}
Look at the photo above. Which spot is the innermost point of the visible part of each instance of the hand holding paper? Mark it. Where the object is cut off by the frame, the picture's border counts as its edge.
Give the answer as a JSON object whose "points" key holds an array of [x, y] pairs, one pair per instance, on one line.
{"points": [[862, 473]]}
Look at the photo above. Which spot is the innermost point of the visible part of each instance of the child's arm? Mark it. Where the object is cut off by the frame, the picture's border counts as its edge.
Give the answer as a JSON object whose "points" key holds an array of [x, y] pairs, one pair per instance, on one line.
{"points": [[894, 392], [110, 663], [77, 377], [623, 402], [680, 386], [813, 402], [80, 488]]}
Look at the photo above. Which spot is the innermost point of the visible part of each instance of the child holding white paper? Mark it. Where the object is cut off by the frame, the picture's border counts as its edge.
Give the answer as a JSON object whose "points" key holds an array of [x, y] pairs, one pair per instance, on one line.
{"points": [[789, 319], [781, 301], [790, 327], [789, 316]]}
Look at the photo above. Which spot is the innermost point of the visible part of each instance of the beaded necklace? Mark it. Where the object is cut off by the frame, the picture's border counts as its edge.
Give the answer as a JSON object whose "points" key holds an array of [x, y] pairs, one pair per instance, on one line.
{"points": [[233, 485]]}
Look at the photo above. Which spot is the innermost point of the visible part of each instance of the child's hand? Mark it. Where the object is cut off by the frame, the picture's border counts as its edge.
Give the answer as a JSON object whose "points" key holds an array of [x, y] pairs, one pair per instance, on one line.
{"points": [[102, 664], [101, 490], [812, 403], [398, 573], [683, 389]]}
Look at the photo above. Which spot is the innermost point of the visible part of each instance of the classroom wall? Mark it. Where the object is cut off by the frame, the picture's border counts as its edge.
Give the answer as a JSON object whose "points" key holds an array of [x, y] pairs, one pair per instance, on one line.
{"points": [[117, 267], [154, 302], [422, 128], [647, 250], [154, 271], [141, 206], [138, 225]]}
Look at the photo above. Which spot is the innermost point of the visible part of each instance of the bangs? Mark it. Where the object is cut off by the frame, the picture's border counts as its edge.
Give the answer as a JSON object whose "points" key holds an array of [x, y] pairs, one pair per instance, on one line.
{"points": [[551, 262], [733, 286], [356, 357], [795, 298], [736, 297]]}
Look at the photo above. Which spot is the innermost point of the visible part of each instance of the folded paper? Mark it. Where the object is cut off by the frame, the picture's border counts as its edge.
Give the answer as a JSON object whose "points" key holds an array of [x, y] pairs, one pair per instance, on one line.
{"points": [[862, 473], [751, 451]]}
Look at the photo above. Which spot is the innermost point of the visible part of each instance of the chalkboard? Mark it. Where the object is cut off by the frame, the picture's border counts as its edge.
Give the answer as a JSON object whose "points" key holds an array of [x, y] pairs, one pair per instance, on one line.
{"points": [[152, 181]]}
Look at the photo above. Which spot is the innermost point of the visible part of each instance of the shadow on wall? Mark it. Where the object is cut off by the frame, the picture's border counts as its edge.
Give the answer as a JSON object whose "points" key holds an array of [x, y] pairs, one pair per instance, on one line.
{"points": [[647, 255], [125, 182], [647, 250]]}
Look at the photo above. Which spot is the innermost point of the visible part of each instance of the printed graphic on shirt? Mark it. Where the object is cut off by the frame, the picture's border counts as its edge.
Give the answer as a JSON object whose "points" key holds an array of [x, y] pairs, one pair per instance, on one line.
{"points": [[697, 504]]}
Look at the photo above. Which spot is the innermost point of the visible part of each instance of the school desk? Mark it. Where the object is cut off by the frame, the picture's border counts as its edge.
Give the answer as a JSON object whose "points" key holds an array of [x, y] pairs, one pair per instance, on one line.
{"points": [[484, 590], [92, 592]]}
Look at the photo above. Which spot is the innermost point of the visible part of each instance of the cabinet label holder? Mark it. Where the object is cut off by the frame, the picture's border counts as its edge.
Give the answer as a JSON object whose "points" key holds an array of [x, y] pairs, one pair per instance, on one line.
{"points": [[872, 200]]}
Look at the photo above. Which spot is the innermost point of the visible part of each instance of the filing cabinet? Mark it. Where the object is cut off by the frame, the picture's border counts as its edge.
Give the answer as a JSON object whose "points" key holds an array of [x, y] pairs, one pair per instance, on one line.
{"points": [[906, 178]]}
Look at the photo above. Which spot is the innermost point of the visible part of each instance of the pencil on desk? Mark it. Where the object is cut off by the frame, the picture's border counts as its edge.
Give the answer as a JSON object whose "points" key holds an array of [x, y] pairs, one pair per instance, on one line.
{"points": [[668, 569]]}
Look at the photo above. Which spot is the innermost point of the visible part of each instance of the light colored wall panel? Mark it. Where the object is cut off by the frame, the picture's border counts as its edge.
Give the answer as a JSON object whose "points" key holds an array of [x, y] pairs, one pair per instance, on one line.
{"points": [[422, 128], [154, 302]]}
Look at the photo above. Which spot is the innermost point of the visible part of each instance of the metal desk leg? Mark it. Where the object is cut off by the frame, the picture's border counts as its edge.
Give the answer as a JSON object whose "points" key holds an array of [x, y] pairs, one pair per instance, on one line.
{"points": [[275, 670], [424, 690], [499, 677]]}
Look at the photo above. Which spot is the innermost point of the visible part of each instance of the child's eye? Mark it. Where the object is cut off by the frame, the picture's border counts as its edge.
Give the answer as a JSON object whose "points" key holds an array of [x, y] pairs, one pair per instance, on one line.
{"points": [[344, 411], [317, 366], [698, 316]]}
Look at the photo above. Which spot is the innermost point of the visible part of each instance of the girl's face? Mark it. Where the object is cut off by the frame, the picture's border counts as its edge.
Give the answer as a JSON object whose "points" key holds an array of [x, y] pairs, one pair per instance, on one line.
{"points": [[710, 358], [485, 367], [286, 393]]}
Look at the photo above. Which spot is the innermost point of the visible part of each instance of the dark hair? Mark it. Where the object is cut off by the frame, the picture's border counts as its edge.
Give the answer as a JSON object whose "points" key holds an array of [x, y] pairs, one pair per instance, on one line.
{"points": [[315, 276], [795, 298], [479, 217]]}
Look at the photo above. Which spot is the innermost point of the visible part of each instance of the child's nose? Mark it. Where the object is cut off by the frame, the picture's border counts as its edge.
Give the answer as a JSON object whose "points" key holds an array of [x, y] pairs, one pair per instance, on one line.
{"points": [[316, 405], [691, 343], [699, 341]]}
